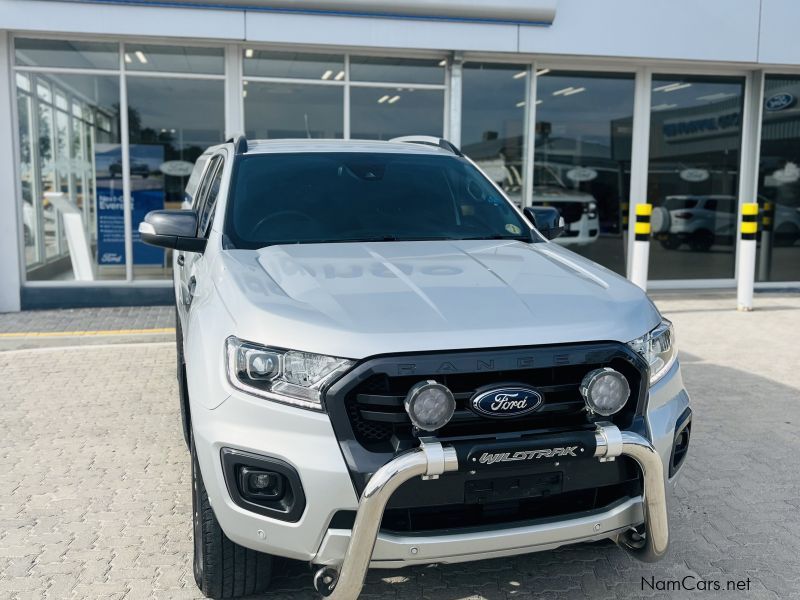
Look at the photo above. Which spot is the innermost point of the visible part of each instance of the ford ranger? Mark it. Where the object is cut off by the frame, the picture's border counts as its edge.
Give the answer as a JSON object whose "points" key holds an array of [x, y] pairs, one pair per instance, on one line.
{"points": [[383, 362]]}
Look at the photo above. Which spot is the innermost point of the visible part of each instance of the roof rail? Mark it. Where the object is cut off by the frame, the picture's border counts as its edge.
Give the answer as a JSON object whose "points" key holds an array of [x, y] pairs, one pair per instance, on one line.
{"points": [[429, 140], [239, 143]]}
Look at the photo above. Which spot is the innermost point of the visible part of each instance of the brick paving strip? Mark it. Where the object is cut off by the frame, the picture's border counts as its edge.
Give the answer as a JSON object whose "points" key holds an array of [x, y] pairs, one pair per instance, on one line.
{"points": [[95, 493]]}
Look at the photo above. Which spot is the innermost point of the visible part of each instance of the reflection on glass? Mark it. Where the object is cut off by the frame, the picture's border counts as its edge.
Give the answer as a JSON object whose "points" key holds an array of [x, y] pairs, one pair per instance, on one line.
{"points": [[779, 181], [582, 158], [47, 175], [385, 113], [62, 53], [289, 110], [174, 59], [30, 217], [695, 135], [493, 111], [294, 65], [59, 135], [171, 122], [397, 70]]}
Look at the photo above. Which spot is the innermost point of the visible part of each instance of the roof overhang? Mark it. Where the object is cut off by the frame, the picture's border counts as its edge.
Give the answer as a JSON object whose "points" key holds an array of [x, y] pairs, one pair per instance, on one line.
{"points": [[529, 12]]}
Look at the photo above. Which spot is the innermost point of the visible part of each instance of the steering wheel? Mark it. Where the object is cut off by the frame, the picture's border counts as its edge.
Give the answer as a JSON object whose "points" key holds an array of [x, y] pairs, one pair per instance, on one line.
{"points": [[282, 214]]}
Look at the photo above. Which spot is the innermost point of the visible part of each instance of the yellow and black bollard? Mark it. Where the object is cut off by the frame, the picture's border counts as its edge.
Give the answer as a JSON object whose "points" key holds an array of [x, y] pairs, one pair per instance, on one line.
{"points": [[747, 256], [641, 245]]}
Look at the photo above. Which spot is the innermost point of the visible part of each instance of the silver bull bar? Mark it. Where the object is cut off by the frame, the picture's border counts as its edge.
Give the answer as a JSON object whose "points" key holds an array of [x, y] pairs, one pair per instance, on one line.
{"points": [[431, 459]]}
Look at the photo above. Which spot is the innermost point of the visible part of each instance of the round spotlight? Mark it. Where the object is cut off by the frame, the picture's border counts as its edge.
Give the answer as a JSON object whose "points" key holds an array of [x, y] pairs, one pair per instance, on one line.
{"points": [[605, 391], [430, 405]]}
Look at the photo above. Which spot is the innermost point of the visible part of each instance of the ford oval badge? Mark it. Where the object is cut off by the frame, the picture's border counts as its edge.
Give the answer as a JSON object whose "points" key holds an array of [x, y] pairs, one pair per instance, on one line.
{"points": [[506, 402], [779, 102]]}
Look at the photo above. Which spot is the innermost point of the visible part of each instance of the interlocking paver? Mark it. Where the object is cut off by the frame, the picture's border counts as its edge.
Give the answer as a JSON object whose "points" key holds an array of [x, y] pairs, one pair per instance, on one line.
{"points": [[95, 499]]}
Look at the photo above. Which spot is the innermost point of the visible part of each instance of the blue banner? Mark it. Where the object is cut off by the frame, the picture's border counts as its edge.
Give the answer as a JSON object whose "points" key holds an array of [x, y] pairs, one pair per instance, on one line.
{"points": [[147, 194]]}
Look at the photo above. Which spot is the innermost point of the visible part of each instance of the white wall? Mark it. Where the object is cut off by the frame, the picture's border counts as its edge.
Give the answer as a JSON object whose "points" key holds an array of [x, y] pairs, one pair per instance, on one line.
{"points": [[780, 22], [9, 224], [710, 30], [744, 31], [120, 19]]}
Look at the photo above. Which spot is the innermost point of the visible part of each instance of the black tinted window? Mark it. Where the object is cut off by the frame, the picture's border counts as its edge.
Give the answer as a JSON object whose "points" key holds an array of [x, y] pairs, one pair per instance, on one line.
{"points": [[335, 197]]}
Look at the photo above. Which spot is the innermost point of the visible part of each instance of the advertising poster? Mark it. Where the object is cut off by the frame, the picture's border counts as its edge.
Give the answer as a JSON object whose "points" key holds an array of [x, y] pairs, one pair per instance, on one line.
{"points": [[147, 194]]}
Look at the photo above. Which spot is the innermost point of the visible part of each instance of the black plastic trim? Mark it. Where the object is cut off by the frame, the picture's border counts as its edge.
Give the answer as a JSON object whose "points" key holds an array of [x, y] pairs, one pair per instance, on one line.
{"points": [[289, 508], [684, 422], [362, 462], [239, 144]]}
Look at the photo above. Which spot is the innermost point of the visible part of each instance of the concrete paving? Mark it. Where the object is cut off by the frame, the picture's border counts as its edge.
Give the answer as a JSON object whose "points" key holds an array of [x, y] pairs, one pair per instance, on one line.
{"points": [[95, 499]]}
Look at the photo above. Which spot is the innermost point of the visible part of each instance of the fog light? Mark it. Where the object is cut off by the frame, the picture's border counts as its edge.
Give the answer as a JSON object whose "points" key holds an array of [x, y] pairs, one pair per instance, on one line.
{"points": [[430, 405], [605, 391], [260, 485]]}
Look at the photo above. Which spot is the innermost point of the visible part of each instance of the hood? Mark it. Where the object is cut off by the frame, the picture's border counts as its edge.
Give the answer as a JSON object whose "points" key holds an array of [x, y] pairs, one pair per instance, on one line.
{"points": [[361, 299]]}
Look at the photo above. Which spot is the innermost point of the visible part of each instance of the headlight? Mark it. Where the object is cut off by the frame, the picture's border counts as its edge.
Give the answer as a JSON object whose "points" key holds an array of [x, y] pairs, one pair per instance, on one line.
{"points": [[658, 349], [286, 376]]}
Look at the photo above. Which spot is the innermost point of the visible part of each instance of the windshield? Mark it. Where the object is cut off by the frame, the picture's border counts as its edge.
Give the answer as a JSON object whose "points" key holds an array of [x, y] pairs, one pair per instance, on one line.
{"points": [[319, 197]]}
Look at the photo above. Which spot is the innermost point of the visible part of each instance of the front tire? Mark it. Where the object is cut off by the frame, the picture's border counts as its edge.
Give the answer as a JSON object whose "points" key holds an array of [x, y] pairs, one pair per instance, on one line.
{"points": [[671, 243], [701, 240], [222, 569]]}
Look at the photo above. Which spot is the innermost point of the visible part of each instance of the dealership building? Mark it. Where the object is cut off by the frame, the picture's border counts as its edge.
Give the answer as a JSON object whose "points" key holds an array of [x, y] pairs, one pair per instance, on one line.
{"points": [[592, 106]]}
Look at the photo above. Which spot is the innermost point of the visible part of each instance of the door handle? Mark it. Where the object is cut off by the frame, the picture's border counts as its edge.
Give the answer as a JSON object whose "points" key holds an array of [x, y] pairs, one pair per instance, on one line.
{"points": [[181, 260]]}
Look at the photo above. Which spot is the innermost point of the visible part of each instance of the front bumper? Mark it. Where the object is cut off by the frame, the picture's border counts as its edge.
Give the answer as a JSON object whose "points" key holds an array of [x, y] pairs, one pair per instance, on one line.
{"points": [[431, 459], [489, 543], [308, 443]]}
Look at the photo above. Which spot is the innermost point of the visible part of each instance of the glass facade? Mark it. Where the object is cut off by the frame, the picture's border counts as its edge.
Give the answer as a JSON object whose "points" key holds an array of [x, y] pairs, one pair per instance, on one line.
{"points": [[778, 257], [379, 113], [293, 95], [584, 125], [64, 122], [170, 123], [70, 149], [576, 151], [693, 179], [493, 117], [292, 110]]}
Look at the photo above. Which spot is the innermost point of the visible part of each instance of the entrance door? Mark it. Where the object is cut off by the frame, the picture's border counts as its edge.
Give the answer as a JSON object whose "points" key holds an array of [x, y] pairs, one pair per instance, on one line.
{"points": [[695, 139]]}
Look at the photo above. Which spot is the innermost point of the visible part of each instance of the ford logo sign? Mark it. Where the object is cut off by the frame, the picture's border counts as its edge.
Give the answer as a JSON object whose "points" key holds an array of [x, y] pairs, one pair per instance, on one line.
{"points": [[506, 402], [779, 102]]}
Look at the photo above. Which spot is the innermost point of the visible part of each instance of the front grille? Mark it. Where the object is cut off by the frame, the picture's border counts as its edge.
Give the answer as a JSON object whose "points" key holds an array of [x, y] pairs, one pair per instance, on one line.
{"points": [[379, 421], [571, 211], [526, 510]]}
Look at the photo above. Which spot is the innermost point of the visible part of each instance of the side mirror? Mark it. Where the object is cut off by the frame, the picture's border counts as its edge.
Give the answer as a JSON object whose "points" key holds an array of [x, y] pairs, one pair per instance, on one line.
{"points": [[172, 229], [547, 220]]}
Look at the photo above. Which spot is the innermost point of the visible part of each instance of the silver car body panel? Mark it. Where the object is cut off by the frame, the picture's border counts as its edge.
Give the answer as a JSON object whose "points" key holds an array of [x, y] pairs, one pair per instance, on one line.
{"points": [[361, 299]]}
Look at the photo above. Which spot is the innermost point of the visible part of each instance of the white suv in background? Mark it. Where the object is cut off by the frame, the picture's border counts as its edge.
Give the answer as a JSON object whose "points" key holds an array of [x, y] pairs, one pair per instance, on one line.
{"points": [[704, 220], [699, 221], [579, 209]]}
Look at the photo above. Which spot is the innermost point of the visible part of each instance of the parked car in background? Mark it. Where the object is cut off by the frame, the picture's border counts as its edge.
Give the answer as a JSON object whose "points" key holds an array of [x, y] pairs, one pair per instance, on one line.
{"points": [[701, 221], [579, 209], [137, 168]]}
